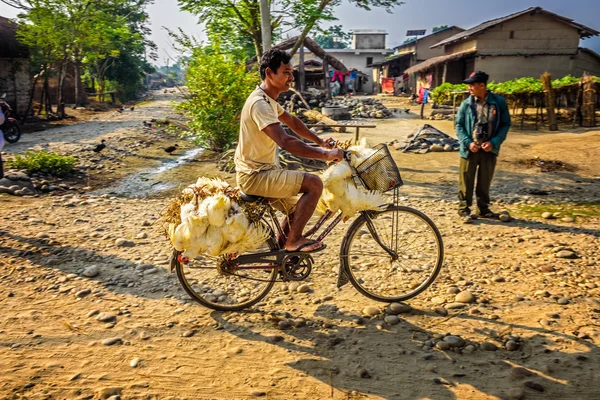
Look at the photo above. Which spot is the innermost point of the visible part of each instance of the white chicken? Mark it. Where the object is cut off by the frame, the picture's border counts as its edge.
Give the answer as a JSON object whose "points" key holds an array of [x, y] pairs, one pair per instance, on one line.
{"points": [[340, 192]]}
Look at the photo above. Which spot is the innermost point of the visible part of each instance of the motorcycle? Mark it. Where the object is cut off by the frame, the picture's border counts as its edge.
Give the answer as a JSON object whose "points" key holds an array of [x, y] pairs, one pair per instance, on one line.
{"points": [[10, 127]]}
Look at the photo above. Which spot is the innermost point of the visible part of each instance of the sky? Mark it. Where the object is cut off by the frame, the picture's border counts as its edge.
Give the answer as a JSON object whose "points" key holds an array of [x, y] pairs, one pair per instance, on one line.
{"points": [[414, 14]]}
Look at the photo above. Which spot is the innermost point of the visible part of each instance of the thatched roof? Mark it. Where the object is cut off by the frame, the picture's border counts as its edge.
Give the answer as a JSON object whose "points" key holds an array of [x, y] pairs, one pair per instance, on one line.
{"points": [[583, 30], [9, 46], [313, 47], [432, 62]]}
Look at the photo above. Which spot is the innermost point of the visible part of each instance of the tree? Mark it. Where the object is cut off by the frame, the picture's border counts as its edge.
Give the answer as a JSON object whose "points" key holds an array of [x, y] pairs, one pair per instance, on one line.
{"points": [[334, 38], [218, 88], [439, 28], [229, 20], [91, 35], [410, 39]]}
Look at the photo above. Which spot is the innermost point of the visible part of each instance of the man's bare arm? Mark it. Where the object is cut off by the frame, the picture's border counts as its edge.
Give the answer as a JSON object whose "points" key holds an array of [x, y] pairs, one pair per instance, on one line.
{"points": [[302, 130], [299, 148]]}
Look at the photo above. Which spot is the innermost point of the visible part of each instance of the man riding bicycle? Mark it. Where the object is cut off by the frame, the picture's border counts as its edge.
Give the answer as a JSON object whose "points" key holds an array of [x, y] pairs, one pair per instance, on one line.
{"points": [[260, 133]]}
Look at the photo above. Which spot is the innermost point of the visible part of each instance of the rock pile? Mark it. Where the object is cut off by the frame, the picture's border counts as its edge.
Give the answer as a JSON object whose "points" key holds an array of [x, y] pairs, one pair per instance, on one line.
{"points": [[426, 139], [17, 183], [358, 107]]}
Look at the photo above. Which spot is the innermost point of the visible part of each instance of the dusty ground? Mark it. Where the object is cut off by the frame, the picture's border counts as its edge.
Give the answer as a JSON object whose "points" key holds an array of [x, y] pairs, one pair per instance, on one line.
{"points": [[155, 343]]}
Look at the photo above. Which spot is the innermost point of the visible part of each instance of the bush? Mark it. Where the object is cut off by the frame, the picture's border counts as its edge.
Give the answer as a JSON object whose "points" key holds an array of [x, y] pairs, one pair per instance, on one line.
{"points": [[443, 93], [43, 161], [219, 88]]}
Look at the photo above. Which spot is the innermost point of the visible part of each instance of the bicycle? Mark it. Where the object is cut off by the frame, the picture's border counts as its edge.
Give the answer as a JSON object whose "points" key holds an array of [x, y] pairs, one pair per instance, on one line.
{"points": [[392, 254]]}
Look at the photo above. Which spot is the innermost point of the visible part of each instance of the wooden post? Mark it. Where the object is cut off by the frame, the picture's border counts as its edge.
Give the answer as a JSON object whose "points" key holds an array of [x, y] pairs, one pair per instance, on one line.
{"points": [[326, 73], [577, 115], [522, 117], [547, 82], [356, 135], [444, 73], [589, 101], [301, 73]]}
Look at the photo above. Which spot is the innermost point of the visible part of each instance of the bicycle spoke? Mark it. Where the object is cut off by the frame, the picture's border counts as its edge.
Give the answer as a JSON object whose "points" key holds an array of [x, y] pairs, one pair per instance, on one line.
{"points": [[417, 245]]}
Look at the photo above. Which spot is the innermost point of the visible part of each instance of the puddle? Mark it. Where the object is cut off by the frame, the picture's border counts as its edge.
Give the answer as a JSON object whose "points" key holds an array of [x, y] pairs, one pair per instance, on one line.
{"points": [[170, 175]]}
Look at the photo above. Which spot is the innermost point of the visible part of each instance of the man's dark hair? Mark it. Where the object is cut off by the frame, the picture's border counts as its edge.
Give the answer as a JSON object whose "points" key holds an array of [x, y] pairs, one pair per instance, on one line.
{"points": [[273, 59]]}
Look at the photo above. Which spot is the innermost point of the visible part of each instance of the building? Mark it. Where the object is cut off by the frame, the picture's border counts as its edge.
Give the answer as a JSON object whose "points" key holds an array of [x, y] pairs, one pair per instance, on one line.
{"points": [[524, 44], [411, 53], [15, 80], [368, 47]]}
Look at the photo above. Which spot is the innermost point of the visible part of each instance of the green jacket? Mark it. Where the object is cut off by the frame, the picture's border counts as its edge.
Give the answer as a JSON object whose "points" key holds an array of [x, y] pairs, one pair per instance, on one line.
{"points": [[465, 122]]}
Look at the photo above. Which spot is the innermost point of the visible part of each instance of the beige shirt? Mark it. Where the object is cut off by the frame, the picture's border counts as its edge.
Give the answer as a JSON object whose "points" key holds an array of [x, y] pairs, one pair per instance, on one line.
{"points": [[256, 151]]}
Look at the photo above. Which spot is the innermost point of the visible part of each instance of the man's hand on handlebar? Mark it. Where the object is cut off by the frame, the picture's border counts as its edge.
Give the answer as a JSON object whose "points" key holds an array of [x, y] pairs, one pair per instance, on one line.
{"points": [[335, 155], [328, 143]]}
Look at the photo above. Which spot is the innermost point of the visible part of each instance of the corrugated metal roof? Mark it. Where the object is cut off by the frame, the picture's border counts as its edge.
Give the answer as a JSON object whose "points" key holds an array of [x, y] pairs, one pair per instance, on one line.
{"points": [[392, 58], [425, 37], [584, 31]]}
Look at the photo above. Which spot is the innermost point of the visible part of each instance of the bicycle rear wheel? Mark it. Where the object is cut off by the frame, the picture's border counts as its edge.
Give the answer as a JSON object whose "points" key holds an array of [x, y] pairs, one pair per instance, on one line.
{"points": [[220, 286], [417, 253]]}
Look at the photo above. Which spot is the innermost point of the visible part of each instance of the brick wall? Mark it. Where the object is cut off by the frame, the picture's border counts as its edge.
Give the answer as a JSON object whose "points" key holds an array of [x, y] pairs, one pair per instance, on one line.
{"points": [[15, 81]]}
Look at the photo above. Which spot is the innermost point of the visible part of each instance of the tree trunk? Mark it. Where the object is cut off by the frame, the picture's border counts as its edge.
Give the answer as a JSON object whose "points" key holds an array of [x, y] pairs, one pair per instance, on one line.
{"points": [[301, 72], [77, 87], [48, 102], [547, 82], [308, 27], [265, 28], [31, 96]]}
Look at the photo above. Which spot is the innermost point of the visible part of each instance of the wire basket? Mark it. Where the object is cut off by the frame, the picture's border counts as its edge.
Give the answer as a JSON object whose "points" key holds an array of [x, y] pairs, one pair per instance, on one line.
{"points": [[379, 171]]}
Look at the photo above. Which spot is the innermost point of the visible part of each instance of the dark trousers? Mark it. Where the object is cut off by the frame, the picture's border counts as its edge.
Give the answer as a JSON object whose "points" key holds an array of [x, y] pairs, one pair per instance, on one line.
{"points": [[482, 165]]}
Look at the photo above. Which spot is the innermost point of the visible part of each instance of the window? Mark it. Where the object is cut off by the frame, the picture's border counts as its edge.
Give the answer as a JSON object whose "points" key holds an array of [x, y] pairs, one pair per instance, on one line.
{"points": [[369, 61], [512, 35]]}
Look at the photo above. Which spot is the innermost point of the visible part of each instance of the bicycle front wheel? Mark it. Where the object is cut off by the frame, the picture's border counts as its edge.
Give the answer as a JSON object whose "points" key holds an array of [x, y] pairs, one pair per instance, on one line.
{"points": [[392, 255], [219, 285]]}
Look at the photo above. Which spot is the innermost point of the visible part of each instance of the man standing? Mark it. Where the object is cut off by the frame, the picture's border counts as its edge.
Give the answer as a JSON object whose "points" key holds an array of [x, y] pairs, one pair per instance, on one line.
{"points": [[260, 133], [482, 123]]}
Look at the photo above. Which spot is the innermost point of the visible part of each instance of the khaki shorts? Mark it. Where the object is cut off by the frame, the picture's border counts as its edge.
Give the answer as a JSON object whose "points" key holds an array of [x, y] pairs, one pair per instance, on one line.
{"points": [[281, 186]]}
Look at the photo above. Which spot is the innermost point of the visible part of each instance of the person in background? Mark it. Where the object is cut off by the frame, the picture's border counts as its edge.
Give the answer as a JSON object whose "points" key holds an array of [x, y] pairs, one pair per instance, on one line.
{"points": [[482, 123]]}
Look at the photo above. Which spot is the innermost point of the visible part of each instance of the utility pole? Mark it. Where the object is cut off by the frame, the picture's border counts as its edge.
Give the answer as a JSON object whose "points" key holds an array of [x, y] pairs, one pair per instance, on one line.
{"points": [[265, 19]]}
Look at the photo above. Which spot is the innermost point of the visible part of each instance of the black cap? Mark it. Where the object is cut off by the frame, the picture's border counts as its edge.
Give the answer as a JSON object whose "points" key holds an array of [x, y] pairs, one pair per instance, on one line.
{"points": [[477, 77]]}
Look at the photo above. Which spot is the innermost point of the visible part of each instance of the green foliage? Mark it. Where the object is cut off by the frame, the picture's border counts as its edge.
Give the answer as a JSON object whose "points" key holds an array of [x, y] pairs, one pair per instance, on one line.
{"points": [[439, 28], [334, 38], [443, 93], [565, 81], [43, 161], [410, 39], [97, 37], [219, 87], [236, 24], [511, 90]]}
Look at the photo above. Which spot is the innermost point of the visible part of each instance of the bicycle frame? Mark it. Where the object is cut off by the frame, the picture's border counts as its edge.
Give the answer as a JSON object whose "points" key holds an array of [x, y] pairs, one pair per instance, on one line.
{"points": [[276, 258]]}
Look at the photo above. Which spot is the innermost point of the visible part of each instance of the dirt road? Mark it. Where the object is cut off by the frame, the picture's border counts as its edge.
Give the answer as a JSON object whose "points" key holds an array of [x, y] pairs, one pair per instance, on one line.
{"points": [[89, 309]]}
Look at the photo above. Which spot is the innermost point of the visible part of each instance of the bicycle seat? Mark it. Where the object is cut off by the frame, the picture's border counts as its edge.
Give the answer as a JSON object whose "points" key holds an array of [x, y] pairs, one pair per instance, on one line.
{"points": [[250, 198]]}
